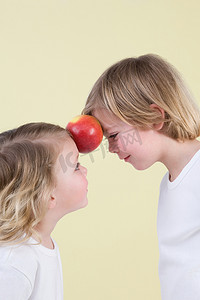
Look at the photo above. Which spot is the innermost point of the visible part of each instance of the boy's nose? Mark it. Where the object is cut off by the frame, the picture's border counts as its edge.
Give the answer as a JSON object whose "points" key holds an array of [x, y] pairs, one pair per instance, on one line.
{"points": [[113, 147]]}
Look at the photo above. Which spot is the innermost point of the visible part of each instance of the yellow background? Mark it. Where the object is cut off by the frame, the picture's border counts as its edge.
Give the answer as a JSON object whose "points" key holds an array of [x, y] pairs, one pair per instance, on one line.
{"points": [[52, 52]]}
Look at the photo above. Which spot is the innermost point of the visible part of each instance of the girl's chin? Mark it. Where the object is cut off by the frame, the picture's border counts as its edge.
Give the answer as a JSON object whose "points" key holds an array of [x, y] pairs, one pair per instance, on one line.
{"points": [[84, 203]]}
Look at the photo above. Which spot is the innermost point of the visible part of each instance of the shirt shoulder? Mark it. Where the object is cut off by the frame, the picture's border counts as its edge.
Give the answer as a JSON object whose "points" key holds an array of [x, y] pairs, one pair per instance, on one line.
{"points": [[14, 284], [21, 258], [164, 180]]}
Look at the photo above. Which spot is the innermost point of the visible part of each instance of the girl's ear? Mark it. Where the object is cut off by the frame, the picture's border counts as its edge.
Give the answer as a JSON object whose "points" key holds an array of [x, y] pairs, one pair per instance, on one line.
{"points": [[160, 111], [52, 202]]}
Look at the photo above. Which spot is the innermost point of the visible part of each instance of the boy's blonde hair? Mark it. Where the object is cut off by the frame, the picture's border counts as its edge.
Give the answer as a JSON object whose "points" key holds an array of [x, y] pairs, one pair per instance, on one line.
{"points": [[27, 158], [128, 87]]}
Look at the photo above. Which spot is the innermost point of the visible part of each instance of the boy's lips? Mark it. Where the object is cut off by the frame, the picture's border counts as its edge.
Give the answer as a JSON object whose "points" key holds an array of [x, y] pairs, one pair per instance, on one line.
{"points": [[127, 158]]}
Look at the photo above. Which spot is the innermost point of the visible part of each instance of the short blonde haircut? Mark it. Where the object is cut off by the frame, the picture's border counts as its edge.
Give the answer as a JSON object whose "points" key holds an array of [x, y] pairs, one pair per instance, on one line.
{"points": [[27, 158], [128, 87]]}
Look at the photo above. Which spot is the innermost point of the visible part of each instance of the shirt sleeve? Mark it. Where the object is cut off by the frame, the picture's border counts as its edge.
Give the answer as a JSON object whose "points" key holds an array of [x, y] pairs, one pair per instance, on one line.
{"points": [[14, 285]]}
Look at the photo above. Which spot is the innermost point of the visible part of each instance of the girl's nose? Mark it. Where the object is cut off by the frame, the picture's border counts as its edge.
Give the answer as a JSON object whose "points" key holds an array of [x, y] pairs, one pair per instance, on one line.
{"points": [[84, 170]]}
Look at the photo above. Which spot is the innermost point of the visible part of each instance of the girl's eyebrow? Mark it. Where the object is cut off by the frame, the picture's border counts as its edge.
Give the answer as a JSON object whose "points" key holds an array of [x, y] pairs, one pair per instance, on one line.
{"points": [[76, 158]]}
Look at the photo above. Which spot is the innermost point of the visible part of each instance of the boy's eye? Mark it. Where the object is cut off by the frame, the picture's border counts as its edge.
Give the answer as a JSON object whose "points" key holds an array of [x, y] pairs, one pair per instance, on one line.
{"points": [[77, 166], [113, 136]]}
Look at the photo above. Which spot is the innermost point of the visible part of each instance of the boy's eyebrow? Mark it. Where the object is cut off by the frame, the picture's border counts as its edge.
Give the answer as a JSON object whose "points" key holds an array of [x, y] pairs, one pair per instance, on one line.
{"points": [[106, 130]]}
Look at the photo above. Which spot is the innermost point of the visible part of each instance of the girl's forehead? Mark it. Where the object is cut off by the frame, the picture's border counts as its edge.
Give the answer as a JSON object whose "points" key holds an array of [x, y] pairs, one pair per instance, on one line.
{"points": [[70, 146], [68, 157]]}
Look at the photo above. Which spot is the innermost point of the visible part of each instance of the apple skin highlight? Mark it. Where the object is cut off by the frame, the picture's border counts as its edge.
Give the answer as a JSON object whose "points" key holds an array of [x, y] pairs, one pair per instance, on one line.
{"points": [[86, 131]]}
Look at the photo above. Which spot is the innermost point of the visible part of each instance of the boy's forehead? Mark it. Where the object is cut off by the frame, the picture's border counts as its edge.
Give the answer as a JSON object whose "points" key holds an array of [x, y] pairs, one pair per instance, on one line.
{"points": [[106, 118]]}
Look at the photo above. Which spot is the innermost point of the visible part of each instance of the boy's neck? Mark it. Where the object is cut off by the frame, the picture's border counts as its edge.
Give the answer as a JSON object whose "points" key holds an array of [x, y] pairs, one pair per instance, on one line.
{"points": [[177, 155]]}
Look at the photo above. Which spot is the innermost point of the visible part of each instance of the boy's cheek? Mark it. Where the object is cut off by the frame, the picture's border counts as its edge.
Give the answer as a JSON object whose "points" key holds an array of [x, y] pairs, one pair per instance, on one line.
{"points": [[123, 144]]}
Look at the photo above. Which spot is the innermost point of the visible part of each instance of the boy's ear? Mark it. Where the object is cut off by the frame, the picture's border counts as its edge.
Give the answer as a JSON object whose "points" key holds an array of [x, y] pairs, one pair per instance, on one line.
{"points": [[160, 111]]}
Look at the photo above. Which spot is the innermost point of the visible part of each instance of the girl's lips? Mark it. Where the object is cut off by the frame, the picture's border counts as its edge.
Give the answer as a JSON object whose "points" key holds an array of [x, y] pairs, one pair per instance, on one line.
{"points": [[127, 158]]}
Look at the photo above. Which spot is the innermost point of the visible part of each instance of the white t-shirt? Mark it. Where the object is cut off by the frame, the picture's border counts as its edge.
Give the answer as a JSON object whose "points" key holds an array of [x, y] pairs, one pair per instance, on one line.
{"points": [[178, 227], [30, 272]]}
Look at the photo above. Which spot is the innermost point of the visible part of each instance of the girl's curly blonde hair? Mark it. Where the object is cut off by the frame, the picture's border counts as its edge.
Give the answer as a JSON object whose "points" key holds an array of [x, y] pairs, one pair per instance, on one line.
{"points": [[27, 158], [129, 87]]}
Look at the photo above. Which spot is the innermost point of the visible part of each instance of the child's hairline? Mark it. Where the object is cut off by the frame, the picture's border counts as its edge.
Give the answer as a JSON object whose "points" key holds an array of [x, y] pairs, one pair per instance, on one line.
{"points": [[52, 142], [103, 93]]}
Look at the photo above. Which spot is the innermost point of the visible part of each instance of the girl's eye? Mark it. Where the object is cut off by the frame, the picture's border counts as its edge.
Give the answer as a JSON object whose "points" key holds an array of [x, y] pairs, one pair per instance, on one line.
{"points": [[113, 136], [77, 166]]}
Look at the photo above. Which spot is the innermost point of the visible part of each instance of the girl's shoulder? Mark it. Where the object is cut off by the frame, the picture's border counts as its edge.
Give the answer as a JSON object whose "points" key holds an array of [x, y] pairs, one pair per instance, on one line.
{"points": [[21, 258]]}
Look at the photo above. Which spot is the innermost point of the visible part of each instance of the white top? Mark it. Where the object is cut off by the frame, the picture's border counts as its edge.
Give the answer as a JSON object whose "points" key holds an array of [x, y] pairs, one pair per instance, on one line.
{"points": [[30, 272], [178, 227]]}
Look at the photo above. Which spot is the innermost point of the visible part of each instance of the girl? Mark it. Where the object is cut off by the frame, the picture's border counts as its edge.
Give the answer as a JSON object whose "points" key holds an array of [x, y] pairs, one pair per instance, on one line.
{"points": [[40, 182], [148, 115]]}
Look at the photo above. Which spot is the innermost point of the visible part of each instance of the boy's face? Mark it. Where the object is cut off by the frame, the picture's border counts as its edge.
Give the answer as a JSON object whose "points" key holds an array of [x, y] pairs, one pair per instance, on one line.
{"points": [[70, 192], [138, 147]]}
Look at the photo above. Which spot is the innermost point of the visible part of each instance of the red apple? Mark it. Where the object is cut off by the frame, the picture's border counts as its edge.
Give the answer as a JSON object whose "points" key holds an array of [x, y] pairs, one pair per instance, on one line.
{"points": [[86, 131]]}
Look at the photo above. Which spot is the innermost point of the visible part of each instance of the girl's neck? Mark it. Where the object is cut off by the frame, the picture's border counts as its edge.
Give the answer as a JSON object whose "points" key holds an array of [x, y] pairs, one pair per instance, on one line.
{"points": [[46, 240], [48, 243], [45, 229]]}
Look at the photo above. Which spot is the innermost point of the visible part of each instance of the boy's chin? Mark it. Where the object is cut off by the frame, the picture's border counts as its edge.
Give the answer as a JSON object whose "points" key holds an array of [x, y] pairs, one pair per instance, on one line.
{"points": [[140, 167]]}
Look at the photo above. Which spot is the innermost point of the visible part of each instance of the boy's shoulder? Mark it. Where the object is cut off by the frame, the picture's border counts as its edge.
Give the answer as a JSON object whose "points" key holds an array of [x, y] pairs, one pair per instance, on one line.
{"points": [[21, 258], [164, 179]]}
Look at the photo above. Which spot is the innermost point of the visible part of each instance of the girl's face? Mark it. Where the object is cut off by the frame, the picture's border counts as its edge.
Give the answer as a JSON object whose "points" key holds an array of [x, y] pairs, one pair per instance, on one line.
{"points": [[138, 147], [70, 193]]}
